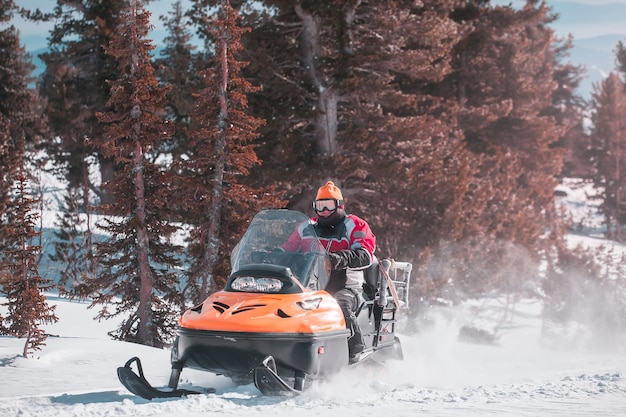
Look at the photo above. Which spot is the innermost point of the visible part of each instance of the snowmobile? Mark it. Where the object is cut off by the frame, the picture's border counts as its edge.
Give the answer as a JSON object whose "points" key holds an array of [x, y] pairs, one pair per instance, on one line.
{"points": [[273, 324]]}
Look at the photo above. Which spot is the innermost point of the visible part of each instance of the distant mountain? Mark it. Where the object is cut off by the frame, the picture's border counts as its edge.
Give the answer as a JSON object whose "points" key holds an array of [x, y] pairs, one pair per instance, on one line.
{"points": [[597, 55], [39, 65], [596, 30], [587, 20]]}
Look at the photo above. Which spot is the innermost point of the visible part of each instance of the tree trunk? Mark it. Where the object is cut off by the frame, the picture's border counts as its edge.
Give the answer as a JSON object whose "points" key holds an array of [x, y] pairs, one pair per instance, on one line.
{"points": [[326, 118], [211, 254], [107, 174], [326, 122], [145, 274]]}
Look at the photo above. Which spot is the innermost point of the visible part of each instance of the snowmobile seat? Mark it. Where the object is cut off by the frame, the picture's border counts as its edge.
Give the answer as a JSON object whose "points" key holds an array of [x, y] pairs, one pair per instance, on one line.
{"points": [[371, 276]]}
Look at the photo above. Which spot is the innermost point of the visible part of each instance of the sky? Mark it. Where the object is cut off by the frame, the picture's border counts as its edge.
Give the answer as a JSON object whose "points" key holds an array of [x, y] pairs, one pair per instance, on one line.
{"points": [[517, 3], [580, 25], [582, 18], [596, 26], [34, 35]]}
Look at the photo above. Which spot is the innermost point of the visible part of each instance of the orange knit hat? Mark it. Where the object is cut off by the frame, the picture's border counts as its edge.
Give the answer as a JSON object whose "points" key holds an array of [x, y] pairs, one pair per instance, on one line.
{"points": [[329, 191]]}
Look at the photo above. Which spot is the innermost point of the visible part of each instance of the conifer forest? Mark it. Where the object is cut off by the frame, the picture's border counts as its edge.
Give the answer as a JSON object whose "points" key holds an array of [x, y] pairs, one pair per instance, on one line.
{"points": [[447, 124]]}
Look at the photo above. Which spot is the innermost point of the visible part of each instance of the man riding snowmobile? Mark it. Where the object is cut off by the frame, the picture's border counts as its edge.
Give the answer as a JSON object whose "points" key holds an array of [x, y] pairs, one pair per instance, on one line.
{"points": [[275, 323], [350, 245]]}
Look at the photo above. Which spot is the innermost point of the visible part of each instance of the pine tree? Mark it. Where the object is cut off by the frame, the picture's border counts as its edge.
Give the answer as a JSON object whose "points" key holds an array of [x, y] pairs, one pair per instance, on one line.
{"points": [[18, 100], [75, 84], [221, 156], [139, 260], [73, 247], [178, 67], [343, 97], [19, 106], [609, 146], [568, 108], [20, 281], [442, 121], [620, 54], [403, 157], [300, 54], [504, 82], [4, 197], [21, 126]]}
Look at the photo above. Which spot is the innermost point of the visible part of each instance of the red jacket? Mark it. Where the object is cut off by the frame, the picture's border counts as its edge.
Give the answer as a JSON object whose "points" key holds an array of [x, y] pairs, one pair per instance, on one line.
{"points": [[352, 233]]}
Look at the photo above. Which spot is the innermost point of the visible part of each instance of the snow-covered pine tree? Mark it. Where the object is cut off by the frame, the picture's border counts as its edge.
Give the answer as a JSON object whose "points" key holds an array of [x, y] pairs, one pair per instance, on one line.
{"points": [[140, 261], [20, 281], [21, 125]]}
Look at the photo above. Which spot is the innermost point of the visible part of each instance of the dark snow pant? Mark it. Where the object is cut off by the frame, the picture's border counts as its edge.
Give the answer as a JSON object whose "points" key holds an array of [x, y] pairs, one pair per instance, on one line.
{"points": [[349, 300]]}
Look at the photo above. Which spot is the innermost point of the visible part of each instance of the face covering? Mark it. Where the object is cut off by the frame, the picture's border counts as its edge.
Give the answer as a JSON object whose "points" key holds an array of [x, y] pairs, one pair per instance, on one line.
{"points": [[332, 220]]}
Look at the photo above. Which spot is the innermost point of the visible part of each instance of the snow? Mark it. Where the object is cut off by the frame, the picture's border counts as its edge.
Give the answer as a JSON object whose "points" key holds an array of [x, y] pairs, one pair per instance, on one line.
{"points": [[441, 375], [75, 375]]}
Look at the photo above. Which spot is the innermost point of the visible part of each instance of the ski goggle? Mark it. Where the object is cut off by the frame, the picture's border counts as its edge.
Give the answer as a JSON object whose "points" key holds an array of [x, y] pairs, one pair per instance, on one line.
{"points": [[321, 205]]}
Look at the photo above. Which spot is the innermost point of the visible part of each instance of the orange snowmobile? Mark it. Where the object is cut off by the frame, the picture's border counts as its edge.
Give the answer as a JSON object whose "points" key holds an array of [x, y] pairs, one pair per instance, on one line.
{"points": [[273, 324]]}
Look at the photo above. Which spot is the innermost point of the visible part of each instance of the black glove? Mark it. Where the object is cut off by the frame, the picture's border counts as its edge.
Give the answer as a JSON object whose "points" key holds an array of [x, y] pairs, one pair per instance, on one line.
{"points": [[337, 261], [343, 259]]}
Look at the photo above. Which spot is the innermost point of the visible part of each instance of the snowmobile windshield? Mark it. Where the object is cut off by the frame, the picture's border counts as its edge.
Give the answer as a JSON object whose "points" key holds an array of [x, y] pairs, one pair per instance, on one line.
{"points": [[264, 243]]}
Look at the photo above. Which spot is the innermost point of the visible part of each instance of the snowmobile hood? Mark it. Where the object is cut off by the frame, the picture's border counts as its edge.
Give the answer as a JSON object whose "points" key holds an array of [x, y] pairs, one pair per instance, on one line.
{"points": [[306, 312]]}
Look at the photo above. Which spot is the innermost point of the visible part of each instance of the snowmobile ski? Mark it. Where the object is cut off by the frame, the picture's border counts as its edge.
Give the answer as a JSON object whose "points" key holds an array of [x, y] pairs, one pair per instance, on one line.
{"points": [[267, 381], [138, 385], [361, 357]]}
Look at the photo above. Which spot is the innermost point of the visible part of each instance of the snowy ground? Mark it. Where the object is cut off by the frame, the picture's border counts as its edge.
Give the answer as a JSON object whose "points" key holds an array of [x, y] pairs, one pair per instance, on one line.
{"points": [[75, 376]]}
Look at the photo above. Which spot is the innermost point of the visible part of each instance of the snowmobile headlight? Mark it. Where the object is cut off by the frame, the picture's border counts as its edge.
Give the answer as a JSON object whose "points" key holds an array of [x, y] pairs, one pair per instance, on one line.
{"points": [[310, 304], [257, 284]]}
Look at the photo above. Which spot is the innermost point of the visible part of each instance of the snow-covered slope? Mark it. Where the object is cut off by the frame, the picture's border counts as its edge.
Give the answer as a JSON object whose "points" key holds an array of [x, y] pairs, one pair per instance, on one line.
{"points": [[75, 375], [518, 375]]}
